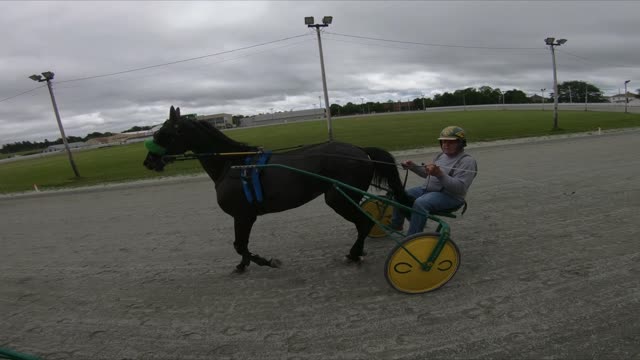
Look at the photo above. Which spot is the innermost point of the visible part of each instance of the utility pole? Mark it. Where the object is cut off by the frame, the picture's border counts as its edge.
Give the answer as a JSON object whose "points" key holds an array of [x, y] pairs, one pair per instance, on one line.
{"points": [[570, 98], [542, 95], [325, 22], [552, 44], [48, 76], [423, 106], [626, 96], [586, 96]]}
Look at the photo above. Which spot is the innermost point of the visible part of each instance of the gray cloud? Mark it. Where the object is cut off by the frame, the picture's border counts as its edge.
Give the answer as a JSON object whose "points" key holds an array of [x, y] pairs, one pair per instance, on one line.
{"points": [[84, 39]]}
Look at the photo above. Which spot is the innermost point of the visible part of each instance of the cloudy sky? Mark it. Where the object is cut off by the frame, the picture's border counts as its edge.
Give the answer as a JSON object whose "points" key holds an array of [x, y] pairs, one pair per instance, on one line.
{"points": [[122, 64]]}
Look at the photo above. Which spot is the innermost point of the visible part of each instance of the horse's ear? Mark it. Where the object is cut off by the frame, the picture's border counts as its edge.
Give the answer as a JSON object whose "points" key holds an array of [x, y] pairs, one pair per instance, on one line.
{"points": [[172, 114]]}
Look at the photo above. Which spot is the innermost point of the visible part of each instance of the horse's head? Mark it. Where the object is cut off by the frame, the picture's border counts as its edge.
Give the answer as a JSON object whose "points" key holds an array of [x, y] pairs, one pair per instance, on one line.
{"points": [[168, 140]]}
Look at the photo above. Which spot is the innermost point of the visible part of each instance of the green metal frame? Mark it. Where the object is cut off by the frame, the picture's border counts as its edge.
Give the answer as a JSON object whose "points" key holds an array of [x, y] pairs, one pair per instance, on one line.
{"points": [[443, 227]]}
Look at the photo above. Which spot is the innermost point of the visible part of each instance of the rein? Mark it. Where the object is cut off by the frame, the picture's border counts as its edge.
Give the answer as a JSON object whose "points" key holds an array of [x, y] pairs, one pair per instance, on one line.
{"points": [[197, 156], [184, 157]]}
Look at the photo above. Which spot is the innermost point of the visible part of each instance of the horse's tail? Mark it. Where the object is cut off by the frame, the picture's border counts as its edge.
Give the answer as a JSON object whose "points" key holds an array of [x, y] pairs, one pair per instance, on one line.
{"points": [[386, 171]]}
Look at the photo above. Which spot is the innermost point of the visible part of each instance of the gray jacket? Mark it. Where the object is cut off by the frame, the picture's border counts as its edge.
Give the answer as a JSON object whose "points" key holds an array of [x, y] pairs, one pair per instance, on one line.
{"points": [[459, 172]]}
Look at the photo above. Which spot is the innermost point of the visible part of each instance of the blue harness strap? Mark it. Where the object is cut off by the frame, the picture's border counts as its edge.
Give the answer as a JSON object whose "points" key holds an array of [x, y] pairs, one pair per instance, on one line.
{"points": [[255, 177]]}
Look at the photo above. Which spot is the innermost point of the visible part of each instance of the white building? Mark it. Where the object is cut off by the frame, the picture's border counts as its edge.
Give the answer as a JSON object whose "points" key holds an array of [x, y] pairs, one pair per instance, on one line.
{"points": [[621, 99], [60, 147], [219, 121], [283, 117]]}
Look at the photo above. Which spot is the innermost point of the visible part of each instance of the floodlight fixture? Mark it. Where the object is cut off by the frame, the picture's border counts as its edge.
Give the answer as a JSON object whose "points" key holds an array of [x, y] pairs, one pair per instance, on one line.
{"points": [[562, 41], [628, 81], [549, 40], [308, 20], [327, 20], [48, 75], [35, 77]]}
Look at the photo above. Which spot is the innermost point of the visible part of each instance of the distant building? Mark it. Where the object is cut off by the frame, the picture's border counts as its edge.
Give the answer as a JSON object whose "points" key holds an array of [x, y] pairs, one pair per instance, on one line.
{"points": [[60, 147], [536, 98], [282, 117], [621, 98], [122, 138], [219, 121]]}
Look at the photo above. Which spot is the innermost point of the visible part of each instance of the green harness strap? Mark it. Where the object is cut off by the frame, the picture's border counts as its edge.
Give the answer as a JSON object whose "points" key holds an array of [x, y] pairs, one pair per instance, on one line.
{"points": [[154, 148]]}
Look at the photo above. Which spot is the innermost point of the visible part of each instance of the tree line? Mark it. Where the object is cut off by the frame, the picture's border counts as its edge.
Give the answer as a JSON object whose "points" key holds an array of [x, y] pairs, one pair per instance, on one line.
{"points": [[569, 91]]}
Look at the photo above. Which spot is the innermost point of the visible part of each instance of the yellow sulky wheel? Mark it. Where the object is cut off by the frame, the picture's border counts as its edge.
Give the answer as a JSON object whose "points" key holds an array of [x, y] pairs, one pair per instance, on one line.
{"points": [[380, 211], [406, 275]]}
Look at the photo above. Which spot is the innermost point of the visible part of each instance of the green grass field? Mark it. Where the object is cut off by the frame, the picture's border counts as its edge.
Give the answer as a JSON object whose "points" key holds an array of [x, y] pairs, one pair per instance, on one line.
{"points": [[391, 132]]}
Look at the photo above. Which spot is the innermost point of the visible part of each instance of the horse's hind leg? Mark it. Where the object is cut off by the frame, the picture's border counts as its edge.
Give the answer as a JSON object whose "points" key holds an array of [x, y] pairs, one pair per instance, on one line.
{"points": [[338, 202], [242, 227]]}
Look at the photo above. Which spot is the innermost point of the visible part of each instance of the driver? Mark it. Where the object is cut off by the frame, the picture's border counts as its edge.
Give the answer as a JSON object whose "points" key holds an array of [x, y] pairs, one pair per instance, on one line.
{"points": [[449, 177]]}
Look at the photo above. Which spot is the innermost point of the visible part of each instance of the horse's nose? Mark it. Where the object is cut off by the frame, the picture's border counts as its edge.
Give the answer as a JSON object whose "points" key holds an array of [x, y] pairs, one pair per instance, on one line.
{"points": [[147, 162], [153, 162]]}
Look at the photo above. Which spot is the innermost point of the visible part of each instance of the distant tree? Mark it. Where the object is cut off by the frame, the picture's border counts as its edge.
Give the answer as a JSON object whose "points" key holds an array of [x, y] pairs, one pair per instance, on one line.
{"points": [[96, 134], [351, 109], [516, 97], [579, 91], [237, 119], [72, 139]]}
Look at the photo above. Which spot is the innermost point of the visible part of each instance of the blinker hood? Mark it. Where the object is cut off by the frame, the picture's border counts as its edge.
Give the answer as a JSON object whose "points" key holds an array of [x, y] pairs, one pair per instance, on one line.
{"points": [[154, 148]]}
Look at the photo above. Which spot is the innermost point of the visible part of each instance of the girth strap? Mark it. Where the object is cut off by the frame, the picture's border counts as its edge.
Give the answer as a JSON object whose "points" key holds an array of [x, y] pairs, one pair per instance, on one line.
{"points": [[254, 177]]}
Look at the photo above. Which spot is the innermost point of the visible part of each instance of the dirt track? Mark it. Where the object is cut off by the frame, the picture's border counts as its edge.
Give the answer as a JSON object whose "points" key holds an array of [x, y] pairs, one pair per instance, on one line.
{"points": [[550, 269]]}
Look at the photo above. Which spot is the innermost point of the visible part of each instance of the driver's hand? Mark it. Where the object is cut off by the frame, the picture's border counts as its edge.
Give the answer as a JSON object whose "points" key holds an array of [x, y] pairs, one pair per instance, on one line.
{"points": [[433, 170], [407, 164]]}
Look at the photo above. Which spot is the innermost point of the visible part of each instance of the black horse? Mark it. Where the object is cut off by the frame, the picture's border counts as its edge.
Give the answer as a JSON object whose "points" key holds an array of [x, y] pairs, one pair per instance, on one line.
{"points": [[283, 189]]}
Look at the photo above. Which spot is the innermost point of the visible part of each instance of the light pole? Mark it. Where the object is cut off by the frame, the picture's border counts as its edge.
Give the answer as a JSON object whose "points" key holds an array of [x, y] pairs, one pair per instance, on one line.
{"points": [[626, 96], [362, 104], [325, 22], [48, 76], [552, 44], [423, 106], [586, 96], [542, 94], [570, 98]]}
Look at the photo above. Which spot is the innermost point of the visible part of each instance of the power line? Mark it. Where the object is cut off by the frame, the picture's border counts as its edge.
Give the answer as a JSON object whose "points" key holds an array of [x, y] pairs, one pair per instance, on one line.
{"points": [[22, 93], [203, 65], [597, 62], [184, 60], [438, 45], [160, 65], [400, 46]]}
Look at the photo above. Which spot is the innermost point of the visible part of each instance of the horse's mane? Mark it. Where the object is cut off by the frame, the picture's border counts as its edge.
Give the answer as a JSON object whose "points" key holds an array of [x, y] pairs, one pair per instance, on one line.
{"points": [[215, 136]]}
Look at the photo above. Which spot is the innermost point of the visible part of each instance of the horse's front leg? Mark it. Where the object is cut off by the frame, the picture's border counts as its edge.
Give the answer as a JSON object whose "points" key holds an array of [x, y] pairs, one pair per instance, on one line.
{"points": [[242, 227]]}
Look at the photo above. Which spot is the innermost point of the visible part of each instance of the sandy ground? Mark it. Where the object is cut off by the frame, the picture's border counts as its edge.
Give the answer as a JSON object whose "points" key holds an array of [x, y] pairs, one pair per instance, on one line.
{"points": [[550, 269]]}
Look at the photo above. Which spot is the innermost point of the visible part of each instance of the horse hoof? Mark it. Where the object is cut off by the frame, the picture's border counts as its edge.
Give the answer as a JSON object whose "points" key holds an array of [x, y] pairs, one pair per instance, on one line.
{"points": [[275, 263], [354, 259], [239, 270]]}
